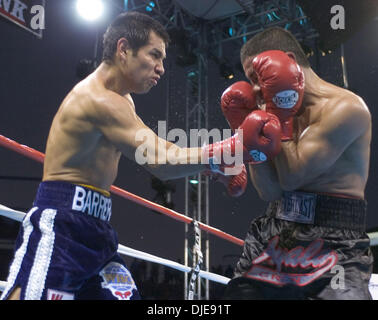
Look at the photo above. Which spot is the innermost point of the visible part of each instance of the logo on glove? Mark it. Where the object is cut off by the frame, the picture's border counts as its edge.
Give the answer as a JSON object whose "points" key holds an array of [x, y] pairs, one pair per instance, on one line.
{"points": [[286, 99], [258, 156]]}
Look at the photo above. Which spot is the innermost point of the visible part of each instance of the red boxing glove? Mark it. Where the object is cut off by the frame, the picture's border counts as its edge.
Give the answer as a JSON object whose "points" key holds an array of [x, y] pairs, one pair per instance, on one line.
{"points": [[235, 184], [237, 102], [281, 81], [261, 135], [260, 141]]}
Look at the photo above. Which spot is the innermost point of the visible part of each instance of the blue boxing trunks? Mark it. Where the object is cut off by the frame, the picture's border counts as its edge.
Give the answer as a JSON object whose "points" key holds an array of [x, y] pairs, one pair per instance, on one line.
{"points": [[67, 250], [306, 246]]}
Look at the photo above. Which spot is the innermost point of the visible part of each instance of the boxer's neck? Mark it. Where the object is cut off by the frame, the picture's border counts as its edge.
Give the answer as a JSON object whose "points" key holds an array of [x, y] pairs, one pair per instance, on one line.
{"points": [[112, 78], [315, 88]]}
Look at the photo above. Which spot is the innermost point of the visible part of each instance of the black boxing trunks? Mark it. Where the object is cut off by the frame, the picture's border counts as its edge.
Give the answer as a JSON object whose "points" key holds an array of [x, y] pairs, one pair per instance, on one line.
{"points": [[66, 249], [306, 246]]}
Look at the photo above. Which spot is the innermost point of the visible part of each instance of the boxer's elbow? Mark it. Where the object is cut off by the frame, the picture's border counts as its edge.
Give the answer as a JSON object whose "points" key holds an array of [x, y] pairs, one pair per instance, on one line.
{"points": [[268, 192], [291, 174], [268, 197], [290, 182]]}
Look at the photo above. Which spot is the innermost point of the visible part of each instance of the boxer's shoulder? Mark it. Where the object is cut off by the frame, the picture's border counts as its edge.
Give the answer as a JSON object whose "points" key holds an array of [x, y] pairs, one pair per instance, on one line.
{"points": [[337, 110], [91, 100], [345, 106], [340, 98]]}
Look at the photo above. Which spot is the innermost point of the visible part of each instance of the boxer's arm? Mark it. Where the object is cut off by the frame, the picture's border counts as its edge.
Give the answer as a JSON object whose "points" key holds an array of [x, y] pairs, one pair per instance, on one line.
{"points": [[322, 143], [116, 118]]}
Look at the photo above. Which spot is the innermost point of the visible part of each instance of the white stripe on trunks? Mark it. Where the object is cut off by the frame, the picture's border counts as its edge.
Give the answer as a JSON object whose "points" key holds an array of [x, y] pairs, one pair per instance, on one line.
{"points": [[42, 259], [20, 253]]}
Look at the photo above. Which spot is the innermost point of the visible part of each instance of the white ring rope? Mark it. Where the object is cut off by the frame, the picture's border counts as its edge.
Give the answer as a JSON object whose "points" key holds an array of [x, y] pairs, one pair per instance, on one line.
{"points": [[149, 257], [11, 214], [373, 238], [3, 284], [18, 216]]}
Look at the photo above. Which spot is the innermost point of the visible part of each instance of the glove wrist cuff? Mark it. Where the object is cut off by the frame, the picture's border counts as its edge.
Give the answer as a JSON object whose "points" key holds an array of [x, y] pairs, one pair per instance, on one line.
{"points": [[287, 130]]}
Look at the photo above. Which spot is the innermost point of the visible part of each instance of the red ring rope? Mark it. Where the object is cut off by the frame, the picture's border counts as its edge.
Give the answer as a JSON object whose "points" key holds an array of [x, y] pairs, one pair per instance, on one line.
{"points": [[39, 156]]}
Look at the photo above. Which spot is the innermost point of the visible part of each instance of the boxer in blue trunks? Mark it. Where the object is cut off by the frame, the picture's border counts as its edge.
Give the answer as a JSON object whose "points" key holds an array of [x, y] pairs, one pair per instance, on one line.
{"points": [[66, 247], [63, 244]]}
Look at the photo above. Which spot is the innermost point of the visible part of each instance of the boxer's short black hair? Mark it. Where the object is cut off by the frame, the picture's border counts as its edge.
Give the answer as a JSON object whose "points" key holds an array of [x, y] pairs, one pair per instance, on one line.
{"points": [[136, 28], [275, 38]]}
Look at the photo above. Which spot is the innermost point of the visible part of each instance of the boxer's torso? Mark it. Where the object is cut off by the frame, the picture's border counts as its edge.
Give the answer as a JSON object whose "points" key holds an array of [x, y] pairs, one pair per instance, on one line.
{"points": [[76, 150], [349, 174]]}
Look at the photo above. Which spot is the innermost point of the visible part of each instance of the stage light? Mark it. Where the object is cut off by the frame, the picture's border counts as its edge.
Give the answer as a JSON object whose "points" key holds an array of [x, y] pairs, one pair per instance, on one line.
{"points": [[226, 71], [325, 52], [307, 50], [150, 6], [191, 74], [90, 10]]}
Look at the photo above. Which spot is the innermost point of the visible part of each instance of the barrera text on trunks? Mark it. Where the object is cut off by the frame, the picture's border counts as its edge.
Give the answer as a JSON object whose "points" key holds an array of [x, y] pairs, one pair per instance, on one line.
{"points": [[92, 203]]}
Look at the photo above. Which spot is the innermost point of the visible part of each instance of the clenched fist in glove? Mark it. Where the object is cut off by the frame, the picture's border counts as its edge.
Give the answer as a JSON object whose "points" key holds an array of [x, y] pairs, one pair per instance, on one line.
{"points": [[258, 139], [237, 102]]}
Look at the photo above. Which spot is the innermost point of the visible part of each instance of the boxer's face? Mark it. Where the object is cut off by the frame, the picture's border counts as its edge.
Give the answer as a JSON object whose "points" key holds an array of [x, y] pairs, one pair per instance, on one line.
{"points": [[145, 67]]}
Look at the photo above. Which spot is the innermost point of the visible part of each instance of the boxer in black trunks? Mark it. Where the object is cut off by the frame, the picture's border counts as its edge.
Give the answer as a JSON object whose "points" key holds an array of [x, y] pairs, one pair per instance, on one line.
{"points": [[314, 227]]}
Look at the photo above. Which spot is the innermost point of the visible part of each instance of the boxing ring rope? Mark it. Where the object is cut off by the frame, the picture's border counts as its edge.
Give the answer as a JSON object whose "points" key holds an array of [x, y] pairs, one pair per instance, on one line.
{"points": [[39, 156], [3, 284]]}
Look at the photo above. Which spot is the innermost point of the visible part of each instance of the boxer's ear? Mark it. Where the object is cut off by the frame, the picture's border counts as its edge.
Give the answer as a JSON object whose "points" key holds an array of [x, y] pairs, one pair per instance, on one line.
{"points": [[123, 47]]}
